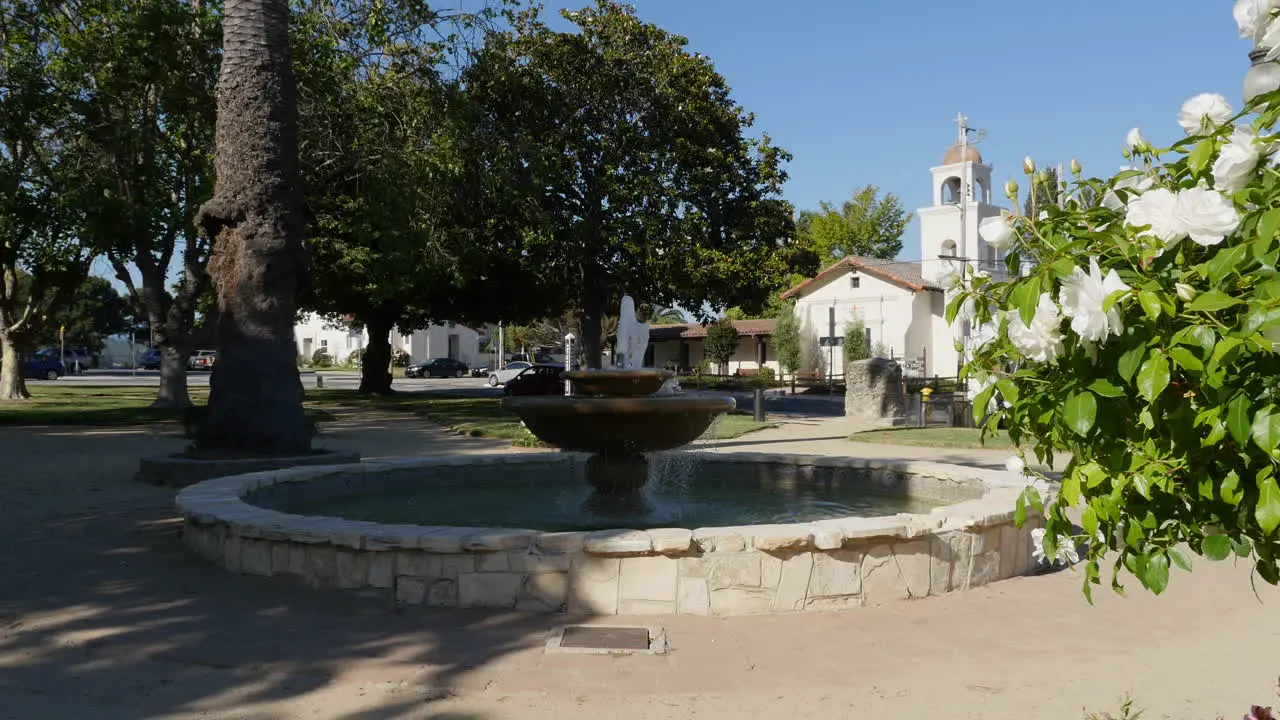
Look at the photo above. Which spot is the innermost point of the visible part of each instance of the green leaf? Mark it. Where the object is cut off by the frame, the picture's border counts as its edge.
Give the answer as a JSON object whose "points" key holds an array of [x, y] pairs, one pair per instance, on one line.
{"points": [[1266, 430], [1025, 296], [1186, 359], [1268, 511], [1070, 489], [1225, 261], [1008, 390], [981, 403], [1201, 155], [1150, 304], [1180, 559], [1081, 410], [1239, 422], [1231, 492], [1216, 547], [1130, 361], [1153, 378], [1267, 228], [1020, 510], [1105, 388], [1155, 574], [1089, 521], [1211, 301], [1200, 336]]}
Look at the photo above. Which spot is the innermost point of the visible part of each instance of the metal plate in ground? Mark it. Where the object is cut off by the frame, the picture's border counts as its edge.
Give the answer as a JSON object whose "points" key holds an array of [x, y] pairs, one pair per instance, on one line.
{"points": [[607, 640]]}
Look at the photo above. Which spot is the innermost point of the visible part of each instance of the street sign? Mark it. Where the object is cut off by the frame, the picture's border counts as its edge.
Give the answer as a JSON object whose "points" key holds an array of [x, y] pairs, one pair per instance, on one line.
{"points": [[831, 341]]}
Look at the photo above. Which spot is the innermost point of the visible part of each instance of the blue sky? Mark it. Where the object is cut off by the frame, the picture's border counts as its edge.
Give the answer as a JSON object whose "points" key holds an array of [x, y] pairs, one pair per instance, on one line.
{"points": [[865, 91]]}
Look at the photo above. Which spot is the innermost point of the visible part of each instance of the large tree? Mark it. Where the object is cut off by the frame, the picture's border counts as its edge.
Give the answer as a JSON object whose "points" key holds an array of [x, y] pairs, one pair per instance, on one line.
{"points": [[146, 119], [89, 314], [865, 224], [256, 222], [41, 257], [638, 163]]}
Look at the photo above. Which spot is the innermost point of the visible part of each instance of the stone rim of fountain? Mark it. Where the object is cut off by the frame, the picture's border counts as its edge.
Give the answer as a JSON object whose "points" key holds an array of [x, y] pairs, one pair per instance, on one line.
{"points": [[223, 526]]}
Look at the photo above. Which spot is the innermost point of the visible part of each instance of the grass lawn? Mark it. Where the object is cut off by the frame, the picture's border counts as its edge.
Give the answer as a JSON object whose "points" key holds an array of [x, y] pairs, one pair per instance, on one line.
{"points": [[101, 406], [942, 437], [735, 425]]}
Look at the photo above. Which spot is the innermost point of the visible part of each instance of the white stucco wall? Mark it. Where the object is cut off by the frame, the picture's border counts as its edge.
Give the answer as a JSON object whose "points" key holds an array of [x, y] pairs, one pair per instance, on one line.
{"points": [[886, 308], [314, 333], [668, 351]]}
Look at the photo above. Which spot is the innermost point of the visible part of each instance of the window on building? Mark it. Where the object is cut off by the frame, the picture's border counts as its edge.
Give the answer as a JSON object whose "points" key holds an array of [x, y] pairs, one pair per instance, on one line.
{"points": [[324, 343], [855, 282], [949, 248]]}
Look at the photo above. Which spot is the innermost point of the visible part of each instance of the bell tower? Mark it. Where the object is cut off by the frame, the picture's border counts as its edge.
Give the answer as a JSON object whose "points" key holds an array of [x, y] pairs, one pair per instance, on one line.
{"points": [[961, 200]]}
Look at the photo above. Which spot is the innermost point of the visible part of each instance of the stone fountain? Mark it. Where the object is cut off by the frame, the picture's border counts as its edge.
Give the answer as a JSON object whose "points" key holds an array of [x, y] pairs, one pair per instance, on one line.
{"points": [[618, 415]]}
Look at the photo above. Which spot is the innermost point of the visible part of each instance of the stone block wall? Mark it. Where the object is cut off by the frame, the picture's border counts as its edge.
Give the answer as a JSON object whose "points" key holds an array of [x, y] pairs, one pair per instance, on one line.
{"points": [[747, 570]]}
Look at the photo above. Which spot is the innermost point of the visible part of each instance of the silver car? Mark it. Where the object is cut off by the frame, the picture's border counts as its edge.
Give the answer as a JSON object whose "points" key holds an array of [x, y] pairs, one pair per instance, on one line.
{"points": [[500, 377]]}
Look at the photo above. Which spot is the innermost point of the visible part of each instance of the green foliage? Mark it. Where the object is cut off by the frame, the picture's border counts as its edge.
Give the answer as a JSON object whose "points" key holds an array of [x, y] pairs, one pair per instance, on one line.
{"points": [[400, 358], [92, 312], [321, 358], [721, 342], [1169, 410], [865, 224], [640, 166], [786, 340], [767, 375], [855, 341]]}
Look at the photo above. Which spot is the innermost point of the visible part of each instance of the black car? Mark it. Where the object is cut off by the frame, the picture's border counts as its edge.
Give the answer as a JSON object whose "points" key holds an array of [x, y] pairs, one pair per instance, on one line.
{"points": [[438, 367], [540, 379]]}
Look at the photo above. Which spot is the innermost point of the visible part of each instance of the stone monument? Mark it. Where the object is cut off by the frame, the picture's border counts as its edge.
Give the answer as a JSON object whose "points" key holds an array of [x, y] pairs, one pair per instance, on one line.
{"points": [[873, 392]]}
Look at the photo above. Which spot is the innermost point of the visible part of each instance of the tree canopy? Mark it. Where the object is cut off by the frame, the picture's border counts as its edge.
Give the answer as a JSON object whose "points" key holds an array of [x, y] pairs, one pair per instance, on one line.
{"points": [[865, 224], [638, 163]]}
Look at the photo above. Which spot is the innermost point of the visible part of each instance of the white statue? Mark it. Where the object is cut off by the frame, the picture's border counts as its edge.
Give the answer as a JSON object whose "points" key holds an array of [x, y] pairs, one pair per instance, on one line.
{"points": [[633, 336]]}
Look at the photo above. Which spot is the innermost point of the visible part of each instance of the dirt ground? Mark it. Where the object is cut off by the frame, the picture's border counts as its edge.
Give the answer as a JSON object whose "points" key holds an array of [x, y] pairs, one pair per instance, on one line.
{"points": [[104, 615]]}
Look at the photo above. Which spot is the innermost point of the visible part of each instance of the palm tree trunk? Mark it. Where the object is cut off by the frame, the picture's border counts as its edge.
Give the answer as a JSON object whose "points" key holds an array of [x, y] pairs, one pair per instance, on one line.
{"points": [[255, 221]]}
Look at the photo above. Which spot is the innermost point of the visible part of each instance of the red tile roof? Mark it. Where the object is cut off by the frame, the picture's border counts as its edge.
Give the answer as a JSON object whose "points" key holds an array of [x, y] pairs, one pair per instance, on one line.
{"points": [[906, 274], [685, 331]]}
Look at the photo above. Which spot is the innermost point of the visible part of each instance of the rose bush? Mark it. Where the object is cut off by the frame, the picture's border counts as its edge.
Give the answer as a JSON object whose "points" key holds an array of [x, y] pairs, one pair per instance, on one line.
{"points": [[1137, 334]]}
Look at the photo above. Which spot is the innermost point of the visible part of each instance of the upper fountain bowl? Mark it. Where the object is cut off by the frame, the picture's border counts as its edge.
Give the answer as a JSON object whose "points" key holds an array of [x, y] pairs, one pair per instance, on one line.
{"points": [[618, 383]]}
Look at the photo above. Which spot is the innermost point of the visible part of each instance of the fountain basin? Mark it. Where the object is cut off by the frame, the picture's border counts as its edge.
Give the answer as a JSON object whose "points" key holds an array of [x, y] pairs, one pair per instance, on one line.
{"points": [[618, 425], [640, 382], [835, 562]]}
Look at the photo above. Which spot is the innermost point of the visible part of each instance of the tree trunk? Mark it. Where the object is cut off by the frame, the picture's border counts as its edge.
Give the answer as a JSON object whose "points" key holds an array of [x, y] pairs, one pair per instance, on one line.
{"points": [[255, 221], [375, 366], [173, 392], [592, 315], [13, 385]]}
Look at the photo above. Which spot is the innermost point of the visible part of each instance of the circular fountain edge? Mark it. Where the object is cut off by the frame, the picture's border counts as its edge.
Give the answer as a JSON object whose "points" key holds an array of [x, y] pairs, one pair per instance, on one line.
{"points": [[735, 570]]}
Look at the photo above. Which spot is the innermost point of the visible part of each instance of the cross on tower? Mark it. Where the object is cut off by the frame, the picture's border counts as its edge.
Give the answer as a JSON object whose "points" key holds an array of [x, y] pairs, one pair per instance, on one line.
{"points": [[962, 138]]}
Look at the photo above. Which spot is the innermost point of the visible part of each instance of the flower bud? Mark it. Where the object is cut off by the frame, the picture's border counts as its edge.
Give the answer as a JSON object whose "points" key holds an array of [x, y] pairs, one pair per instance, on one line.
{"points": [[1186, 293], [1075, 167], [1028, 165], [1011, 189], [1134, 141]]}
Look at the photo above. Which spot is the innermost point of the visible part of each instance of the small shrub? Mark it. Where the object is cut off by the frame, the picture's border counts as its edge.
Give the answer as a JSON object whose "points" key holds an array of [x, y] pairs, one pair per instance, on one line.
{"points": [[321, 358], [399, 358], [767, 374]]}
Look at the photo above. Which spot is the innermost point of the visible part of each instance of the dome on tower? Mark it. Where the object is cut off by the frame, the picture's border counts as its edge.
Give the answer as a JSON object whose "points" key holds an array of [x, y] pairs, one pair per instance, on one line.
{"points": [[962, 153]]}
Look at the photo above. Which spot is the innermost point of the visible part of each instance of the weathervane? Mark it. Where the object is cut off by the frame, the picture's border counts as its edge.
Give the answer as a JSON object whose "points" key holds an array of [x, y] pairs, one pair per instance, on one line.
{"points": [[964, 130]]}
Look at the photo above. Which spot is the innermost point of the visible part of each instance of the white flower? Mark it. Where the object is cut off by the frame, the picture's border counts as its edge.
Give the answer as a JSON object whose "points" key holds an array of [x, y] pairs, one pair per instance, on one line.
{"points": [[1253, 17], [1270, 39], [1138, 184], [1042, 340], [1082, 297], [1135, 142], [996, 232], [1237, 160], [1186, 293], [978, 384], [1207, 216], [1067, 552], [1203, 113], [1157, 208], [1028, 165], [1014, 464]]}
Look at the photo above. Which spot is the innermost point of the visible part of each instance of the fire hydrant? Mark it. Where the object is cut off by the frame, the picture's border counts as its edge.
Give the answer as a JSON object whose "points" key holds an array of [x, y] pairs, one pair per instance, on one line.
{"points": [[925, 392]]}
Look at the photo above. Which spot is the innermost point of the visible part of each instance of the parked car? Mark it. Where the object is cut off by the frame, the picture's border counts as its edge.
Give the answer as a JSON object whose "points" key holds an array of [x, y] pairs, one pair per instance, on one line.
{"points": [[540, 379], [74, 360], [44, 367], [202, 360], [437, 367], [149, 360], [501, 377], [532, 358]]}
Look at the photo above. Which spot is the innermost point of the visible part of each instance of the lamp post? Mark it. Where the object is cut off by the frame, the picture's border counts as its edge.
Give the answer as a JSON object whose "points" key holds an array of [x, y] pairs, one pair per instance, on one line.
{"points": [[568, 361], [1263, 76]]}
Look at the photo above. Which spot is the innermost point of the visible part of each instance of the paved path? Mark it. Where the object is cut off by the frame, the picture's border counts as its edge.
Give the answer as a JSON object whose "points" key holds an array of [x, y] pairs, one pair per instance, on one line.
{"points": [[104, 615]]}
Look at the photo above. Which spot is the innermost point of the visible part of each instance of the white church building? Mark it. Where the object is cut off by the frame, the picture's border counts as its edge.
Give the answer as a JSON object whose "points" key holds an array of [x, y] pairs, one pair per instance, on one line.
{"points": [[903, 303], [339, 341]]}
